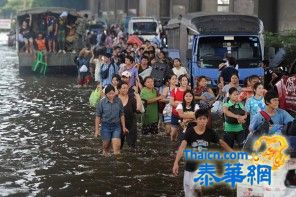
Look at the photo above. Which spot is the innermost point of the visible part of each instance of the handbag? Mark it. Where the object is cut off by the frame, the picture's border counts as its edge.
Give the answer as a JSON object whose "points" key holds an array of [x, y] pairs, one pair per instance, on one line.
{"points": [[105, 73], [167, 110], [235, 110], [217, 107], [262, 129]]}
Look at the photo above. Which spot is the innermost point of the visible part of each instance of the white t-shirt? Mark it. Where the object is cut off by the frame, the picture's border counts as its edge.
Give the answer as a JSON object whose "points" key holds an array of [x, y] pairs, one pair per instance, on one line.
{"points": [[98, 64], [181, 71], [180, 107]]}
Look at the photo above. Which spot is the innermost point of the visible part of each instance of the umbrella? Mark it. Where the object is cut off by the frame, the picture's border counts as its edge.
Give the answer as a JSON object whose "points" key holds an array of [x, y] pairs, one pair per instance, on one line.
{"points": [[133, 39]]}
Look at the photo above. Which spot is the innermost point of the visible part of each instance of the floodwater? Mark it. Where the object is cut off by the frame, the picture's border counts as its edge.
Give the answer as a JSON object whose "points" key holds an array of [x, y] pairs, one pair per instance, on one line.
{"points": [[47, 146]]}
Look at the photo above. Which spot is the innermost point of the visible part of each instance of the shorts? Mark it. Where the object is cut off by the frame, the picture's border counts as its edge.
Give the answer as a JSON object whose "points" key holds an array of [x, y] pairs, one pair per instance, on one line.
{"points": [[44, 51], [231, 137], [61, 36], [175, 120], [110, 131], [84, 78], [50, 36], [189, 185]]}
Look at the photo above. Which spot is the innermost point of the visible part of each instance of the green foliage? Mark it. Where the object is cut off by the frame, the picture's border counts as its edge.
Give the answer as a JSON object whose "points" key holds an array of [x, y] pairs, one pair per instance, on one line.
{"points": [[12, 6], [280, 40], [285, 40]]}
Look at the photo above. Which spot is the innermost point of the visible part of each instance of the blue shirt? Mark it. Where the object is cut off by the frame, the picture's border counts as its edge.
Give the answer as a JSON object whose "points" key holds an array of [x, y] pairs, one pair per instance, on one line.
{"points": [[113, 69], [280, 119], [110, 112], [254, 106]]}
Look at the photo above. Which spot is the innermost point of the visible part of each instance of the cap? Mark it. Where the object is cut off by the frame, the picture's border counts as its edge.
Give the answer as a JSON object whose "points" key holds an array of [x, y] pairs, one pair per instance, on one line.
{"points": [[126, 74]]}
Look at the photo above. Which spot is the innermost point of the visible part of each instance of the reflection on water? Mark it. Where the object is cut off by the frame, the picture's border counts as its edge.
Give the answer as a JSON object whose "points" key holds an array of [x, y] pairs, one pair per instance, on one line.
{"points": [[47, 145]]}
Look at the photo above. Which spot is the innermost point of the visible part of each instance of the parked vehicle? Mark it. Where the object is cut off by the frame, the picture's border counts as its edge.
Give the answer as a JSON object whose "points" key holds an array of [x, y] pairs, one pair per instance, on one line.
{"points": [[286, 88], [57, 62], [146, 27], [208, 38]]}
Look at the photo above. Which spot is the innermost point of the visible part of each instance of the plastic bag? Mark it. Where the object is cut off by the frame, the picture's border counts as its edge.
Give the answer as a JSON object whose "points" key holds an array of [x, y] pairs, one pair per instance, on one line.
{"points": [[94, 98], [83, 69], [167, 110], [217, 107]]}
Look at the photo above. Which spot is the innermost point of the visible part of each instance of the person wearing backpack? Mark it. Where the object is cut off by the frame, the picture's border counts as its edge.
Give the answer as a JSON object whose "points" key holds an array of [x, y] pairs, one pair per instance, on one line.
{"points": [[235, 116], [279, 117], [107, 70]]}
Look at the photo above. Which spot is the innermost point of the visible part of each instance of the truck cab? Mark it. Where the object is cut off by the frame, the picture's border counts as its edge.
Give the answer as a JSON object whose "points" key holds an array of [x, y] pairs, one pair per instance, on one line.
{"points": [[146, 27], [205, 39]]}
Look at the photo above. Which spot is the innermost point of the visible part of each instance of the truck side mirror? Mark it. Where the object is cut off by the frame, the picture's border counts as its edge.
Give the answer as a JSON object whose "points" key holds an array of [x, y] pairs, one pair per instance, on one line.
{"points": [[189, 54]]}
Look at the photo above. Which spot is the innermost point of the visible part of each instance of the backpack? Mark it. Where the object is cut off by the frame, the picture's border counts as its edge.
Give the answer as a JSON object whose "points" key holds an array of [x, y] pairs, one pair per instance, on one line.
{"points": [[262, 129], [236, 111], [158, 73], [105, 73]]}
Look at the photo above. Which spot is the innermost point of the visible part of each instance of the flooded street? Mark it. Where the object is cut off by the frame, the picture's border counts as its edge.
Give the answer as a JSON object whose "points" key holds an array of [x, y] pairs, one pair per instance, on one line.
{"points": [[47, 145]]}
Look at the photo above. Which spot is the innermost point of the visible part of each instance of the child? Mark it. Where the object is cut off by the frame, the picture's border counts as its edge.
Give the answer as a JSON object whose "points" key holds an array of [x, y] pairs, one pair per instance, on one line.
{"points": [[197, 138], [41, 46], [235, 116]]}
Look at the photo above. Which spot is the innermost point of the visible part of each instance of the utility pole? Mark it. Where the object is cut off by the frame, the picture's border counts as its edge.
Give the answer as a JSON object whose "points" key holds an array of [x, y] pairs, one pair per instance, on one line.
{"points": [[25, 4], [115, 10]]}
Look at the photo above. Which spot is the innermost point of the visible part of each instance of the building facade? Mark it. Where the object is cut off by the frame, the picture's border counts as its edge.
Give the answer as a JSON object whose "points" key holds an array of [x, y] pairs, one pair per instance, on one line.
{"points": [[277, 15]]}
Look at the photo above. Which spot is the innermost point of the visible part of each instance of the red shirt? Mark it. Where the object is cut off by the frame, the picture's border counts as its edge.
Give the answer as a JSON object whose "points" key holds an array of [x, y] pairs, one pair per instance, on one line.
{"points": [[178, 95]]}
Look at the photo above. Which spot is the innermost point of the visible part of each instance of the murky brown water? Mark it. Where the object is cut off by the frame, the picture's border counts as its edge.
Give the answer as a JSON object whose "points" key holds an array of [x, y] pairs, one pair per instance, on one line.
{"points": [[47, 145]]}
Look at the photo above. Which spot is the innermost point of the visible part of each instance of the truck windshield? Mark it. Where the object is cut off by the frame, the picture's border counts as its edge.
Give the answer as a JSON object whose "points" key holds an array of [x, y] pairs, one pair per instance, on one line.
{"points": [[144, 28], [246, 50]]}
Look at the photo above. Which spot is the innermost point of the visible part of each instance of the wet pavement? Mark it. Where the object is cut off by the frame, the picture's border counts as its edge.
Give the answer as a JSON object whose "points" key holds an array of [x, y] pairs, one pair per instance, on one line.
{"points": [[47, 146]]}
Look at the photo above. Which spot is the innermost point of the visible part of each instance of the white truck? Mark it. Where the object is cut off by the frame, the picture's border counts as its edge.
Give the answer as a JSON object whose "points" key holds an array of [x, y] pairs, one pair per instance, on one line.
{"points": [[146, 27]]}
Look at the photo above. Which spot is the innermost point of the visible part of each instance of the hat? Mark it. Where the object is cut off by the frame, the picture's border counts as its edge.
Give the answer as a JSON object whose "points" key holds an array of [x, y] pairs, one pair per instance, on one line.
{"points": [[126, 74], [64, 14]]}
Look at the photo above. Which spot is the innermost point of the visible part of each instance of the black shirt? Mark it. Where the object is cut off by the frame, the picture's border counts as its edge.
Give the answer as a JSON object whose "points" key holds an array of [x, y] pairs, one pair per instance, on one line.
{"points": [[267, 77], [198, 143], [227, 72], [129, 111]]}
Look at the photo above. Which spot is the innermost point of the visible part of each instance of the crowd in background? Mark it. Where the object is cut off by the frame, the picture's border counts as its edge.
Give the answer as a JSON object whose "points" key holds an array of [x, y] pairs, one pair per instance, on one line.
{"points": [[52, 33], [144, 73]]}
